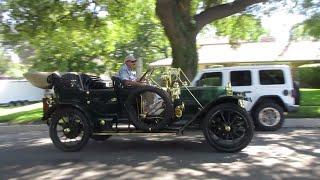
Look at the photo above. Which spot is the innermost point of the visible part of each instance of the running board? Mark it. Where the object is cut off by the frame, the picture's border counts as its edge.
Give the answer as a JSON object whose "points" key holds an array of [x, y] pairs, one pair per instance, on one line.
{"points": [[135, 132]]}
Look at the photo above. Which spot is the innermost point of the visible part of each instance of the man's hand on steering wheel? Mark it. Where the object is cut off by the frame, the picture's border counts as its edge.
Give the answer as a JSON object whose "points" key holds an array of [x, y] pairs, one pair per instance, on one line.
{"points": [[143, 78]]}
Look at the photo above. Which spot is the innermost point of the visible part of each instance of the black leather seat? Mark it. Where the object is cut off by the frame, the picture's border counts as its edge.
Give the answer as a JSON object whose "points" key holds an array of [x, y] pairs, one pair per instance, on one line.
{"points": [[117, 83], [121, 91]]}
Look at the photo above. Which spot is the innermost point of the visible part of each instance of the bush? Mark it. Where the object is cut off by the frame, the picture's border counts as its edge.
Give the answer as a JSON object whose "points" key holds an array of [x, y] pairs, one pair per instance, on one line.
{"points": [[309, 75]]}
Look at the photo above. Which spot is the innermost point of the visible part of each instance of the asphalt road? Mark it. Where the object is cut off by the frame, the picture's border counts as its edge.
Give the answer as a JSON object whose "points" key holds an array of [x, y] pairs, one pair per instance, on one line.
{"points": [[286, 154]]}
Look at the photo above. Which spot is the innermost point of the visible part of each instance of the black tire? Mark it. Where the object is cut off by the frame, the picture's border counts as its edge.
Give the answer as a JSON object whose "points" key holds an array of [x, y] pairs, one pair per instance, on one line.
{"points": [[268, 116], [75, 122], [133, 114], [228, 128]]}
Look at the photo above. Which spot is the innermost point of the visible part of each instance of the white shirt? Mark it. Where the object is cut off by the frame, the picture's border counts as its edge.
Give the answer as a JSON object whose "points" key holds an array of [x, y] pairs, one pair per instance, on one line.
{"points": [[126, 74]]}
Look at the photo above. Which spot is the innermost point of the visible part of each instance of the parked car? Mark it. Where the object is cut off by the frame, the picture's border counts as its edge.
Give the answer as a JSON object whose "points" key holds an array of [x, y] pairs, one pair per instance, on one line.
{"points": [[83, 107], [270, 87]]}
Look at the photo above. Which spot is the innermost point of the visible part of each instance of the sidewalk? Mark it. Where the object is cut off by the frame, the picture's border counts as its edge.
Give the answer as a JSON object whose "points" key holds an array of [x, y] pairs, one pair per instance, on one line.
{"points": [[6, 128], [289, 123], [302, 123]]}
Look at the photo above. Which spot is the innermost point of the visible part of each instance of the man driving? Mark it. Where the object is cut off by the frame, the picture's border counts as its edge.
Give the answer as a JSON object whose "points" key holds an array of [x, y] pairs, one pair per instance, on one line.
{"points": [[126, 72]]}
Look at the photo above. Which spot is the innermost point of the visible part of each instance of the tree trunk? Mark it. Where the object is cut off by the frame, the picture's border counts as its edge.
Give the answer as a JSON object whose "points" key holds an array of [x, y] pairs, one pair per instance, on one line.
{"points": [[182, 29], [181, 32]]}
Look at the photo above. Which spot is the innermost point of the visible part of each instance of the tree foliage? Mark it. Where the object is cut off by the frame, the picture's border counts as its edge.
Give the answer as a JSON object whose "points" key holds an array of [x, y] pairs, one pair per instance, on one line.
{"points": [[86, 35], [311, 25], [4, 63], [240, 27], [95, 35]]}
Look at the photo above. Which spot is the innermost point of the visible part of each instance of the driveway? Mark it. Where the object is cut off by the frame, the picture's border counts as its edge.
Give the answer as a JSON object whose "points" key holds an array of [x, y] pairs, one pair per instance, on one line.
{"points": [[290, 153]]}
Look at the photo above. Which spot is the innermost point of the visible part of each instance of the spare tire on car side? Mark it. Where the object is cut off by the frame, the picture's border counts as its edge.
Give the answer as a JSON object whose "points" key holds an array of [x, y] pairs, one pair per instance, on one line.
{"points": [[148, 122]]}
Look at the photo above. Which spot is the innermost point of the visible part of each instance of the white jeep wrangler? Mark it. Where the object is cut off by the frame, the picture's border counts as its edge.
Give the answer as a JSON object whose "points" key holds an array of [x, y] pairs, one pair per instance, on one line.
{"points": [[270, 87]]}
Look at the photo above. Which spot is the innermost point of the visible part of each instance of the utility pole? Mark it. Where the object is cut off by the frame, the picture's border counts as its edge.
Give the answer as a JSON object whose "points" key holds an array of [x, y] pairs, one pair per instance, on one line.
{"points": [[139, 68]]}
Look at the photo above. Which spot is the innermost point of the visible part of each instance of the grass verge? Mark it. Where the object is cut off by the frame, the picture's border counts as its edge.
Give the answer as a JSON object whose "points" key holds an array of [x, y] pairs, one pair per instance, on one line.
{"points": [[306, 112], [310, 97], [21, 115], [309, 105]]}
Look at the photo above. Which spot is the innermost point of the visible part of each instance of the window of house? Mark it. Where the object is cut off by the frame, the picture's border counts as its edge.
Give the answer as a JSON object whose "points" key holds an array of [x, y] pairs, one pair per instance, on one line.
{"points": [[240, 78], [211, 79], [268, 77]]}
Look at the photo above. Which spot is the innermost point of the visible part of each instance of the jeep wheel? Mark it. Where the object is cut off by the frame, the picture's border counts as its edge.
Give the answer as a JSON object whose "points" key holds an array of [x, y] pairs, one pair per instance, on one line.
{"points": [[149, 108], [69, 129], [228, 128], [268, 117]]}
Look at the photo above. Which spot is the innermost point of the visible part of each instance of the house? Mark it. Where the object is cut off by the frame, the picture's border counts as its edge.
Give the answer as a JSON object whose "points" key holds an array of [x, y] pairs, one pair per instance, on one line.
{"points": [[268, 52]]}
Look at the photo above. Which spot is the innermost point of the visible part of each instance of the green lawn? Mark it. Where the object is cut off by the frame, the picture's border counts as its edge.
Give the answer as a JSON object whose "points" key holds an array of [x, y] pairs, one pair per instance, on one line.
{"points": [[309, 105], [310, 97], [23, 114], [309, 108]]}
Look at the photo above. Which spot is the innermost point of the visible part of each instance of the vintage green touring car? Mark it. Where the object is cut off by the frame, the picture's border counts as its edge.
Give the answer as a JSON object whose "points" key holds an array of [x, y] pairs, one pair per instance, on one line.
{"points": [[83, 107]]}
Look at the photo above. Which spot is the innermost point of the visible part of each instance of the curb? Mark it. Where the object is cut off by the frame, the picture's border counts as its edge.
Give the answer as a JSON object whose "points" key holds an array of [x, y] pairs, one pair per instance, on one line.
{"points": [[302, 123]]}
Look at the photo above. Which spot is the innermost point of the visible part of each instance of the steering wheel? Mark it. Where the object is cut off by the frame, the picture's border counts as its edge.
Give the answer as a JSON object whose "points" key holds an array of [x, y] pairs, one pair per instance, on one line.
{"points": [[146, 74]]}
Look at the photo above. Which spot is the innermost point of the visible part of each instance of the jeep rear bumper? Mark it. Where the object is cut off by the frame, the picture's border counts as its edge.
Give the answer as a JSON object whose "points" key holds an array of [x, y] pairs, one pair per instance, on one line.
{"points": [[292, 108]]}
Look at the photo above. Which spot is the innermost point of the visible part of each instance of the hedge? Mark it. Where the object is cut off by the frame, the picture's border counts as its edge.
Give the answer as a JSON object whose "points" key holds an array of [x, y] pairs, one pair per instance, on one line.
{"points": [[309, 75]]}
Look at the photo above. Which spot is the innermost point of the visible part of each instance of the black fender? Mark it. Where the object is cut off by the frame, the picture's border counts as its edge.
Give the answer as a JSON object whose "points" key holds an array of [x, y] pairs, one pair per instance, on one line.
{"points": [[220, 100], [202, 112], [55, 107]]}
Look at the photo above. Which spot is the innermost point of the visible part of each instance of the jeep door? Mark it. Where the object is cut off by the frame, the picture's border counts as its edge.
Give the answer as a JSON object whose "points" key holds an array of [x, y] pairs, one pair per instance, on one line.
{"points": [[243, 81], [276, 82]]}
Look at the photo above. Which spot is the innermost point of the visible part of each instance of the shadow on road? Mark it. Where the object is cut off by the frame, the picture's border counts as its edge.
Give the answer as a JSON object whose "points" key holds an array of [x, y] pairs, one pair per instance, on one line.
{"points": [[284, 154]]}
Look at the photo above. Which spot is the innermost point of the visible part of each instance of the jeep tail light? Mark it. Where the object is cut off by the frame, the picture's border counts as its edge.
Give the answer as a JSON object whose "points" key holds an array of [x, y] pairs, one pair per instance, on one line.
{"points": [[295, 93]]}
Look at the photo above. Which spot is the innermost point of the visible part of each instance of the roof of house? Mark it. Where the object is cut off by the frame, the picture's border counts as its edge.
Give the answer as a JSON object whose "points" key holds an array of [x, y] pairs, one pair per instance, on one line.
{"points": [[254, 52]]}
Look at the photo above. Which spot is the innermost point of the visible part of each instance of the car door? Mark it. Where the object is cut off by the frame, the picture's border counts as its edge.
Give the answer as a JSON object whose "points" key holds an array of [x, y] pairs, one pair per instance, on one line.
{"points": [[103, 101], [243, 81], [273, 82]]}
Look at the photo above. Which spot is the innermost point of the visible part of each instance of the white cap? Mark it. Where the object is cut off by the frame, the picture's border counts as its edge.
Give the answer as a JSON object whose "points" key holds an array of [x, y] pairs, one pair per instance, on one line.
{"points": [[129, 58]]}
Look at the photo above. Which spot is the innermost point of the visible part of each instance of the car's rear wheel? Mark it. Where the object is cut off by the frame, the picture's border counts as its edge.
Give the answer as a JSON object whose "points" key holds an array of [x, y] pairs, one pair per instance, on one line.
{"points": [[69, 129], [149, 108], [268, 116], [228, 128]]}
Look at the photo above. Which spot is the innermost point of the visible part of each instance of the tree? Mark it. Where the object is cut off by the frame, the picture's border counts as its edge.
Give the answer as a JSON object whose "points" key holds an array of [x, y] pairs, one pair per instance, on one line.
{"points": [[182, 24], [4, 63], [70, 35], [311, 26], [74, 36]]}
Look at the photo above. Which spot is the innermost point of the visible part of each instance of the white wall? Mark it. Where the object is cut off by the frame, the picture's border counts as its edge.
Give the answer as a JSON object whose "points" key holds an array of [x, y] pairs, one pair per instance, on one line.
{"points": [[19, 90]]}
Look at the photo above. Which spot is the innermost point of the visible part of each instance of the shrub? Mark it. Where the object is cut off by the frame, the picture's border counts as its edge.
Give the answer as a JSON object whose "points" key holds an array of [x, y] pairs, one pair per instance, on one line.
{"points": [[309, 75]]}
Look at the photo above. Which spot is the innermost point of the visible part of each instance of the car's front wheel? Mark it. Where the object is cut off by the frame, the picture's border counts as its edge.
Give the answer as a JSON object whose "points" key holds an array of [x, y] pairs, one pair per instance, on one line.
{"points": [[69, 129], [228, 128], [268, 116]]}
